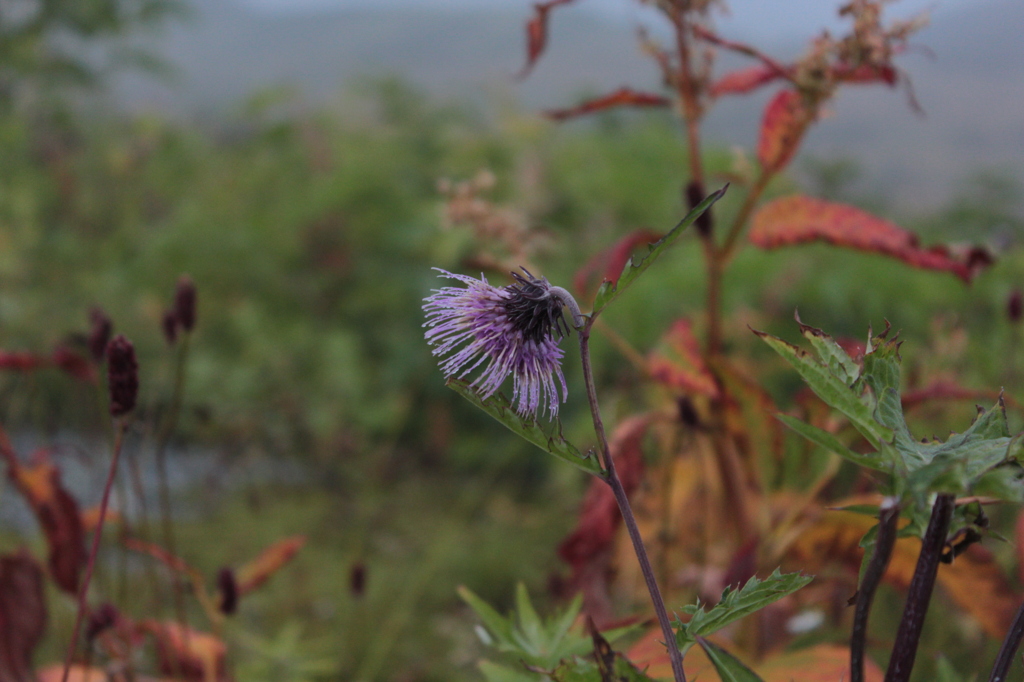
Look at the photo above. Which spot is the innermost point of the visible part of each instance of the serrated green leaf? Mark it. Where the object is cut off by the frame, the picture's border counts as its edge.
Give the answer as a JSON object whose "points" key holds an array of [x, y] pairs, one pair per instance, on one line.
{"points": [[736, 604], [560, 626], [729, 668], [831, 389], [493, 672], [499, 407], [831, 353], [531, 628], [632, 270], [871, 460]]}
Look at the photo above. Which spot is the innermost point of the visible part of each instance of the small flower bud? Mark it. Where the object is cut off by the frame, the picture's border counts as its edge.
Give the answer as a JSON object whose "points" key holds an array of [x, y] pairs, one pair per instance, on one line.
{"points": [[357, 579], [228, 587], [694, 195], [185, 303], [169, 324], [122, 375], [99, 333], [1015, 305]]}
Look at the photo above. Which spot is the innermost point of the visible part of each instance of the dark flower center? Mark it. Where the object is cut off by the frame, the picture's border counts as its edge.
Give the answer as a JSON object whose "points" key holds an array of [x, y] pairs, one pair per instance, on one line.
{"points": [[533, 311]]}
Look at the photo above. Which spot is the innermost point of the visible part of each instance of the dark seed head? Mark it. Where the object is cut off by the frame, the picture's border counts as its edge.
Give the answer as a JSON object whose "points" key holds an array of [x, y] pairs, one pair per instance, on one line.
{"points": [[99, 333], [103, 618], [228, 587], [357, 579], [185, 303], [533, 311], [169, 325], [122, 375], [1015, 305]]}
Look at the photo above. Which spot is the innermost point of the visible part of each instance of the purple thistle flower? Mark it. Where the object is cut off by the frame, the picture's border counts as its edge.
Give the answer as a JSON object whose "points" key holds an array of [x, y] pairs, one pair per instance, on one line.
{"points": [[515, 329]]}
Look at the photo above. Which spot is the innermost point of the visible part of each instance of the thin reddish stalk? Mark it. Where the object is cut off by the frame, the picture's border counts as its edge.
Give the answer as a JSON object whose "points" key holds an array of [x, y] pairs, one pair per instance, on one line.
{"points": [[612, 479], [121, 428]]}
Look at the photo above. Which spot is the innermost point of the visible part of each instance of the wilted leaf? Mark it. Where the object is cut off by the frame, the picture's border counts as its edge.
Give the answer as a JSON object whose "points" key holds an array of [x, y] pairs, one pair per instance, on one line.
{"points": [[623, 97], [743, 81], [258, 571], [868, 73], [736, 604], [609, 263], [785, 119], [679, 363], [498, 407], [22, 615], [821, 663], [57, 513], [181, 650], [537, 33], [799, 219], [636, 267], [91, 518]]}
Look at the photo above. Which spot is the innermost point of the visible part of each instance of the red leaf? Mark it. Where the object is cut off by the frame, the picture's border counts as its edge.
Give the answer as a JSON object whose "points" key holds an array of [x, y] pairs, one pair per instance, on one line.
{"points": [[744, 80], [611, 261], [20, 361], [537, 33], [620, 98], [867, 73], [57, 513], [781, 128], [599, 517], [22, 615], [679, 363], [74, 364], [798, 219]]}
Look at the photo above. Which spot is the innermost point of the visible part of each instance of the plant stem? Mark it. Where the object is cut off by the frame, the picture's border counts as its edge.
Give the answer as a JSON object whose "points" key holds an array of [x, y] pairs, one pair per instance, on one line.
{"points": [[909, 634], [1009, 648], [888, 515], [121, 427], [612, 479]]}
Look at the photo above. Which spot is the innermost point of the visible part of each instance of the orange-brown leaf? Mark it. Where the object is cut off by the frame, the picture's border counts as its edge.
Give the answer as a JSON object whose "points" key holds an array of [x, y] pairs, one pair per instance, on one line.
{"points": [[649, 654], [611, 261], [22, 615], [57, 513], [782, 126], [973, 581], [82, 673], [194, 655], [537, 33], [623, 97], [678, 362], [821, 663], [175, 563], [743, 81], [258, 571], [799, 219], [91, 518]]}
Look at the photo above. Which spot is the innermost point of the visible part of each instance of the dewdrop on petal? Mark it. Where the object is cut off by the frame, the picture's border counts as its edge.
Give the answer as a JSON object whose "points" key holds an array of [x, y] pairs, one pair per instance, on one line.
{"points": [[514, 329]]}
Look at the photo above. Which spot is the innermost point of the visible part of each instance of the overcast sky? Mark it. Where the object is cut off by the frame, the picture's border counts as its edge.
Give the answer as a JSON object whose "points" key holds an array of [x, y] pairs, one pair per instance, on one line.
{"points": [[762, 19]]}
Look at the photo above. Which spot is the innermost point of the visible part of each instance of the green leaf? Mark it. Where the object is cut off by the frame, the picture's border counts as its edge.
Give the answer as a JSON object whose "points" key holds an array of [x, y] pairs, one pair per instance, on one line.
{"points": [[632, 270], [533, 632], [871, 460], [498, 626], [499, 407], [831, 389], [493, 672], [831, 353], [729, 668], [736, 604]]}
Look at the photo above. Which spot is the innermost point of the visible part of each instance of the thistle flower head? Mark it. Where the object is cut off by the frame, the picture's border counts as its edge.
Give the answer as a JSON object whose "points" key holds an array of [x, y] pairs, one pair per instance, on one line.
{"points": [[514, 329]]}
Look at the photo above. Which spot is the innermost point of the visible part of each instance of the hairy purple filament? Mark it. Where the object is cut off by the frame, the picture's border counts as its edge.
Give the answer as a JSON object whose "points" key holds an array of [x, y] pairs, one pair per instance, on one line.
{"points": [[514, 329]]}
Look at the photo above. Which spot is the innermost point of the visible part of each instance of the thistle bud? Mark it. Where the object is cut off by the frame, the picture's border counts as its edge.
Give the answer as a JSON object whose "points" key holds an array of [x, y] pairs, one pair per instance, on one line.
{"points": [[99, 333], [185, 303], [694, 195], [100, 620], [122, 375]]}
